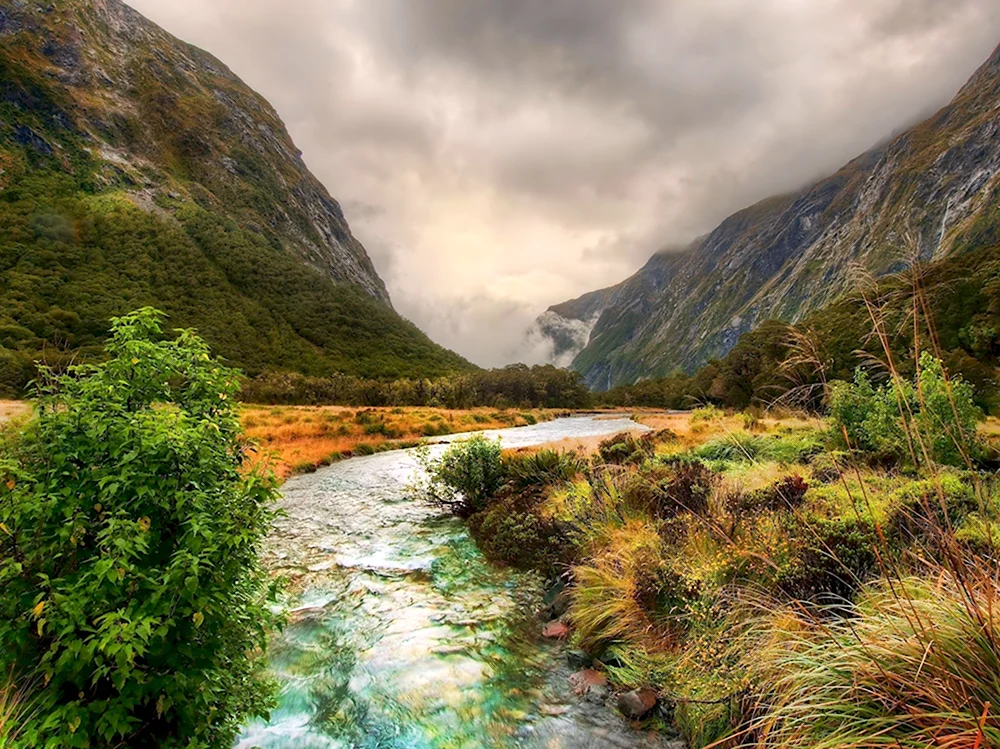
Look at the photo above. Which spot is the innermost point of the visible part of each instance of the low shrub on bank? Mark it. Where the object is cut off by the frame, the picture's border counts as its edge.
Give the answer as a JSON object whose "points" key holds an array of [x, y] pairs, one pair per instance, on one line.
{"points": [[515, 535], [626, 449], [467, 477]]}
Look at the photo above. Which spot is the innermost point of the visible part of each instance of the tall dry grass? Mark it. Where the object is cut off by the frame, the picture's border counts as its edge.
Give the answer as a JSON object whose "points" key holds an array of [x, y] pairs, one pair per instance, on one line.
{"points": [[15, 711], [915, 661]]}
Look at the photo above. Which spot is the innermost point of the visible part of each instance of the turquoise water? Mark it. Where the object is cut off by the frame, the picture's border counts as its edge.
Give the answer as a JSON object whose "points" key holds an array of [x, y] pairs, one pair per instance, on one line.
{"points": [[400, 634]]}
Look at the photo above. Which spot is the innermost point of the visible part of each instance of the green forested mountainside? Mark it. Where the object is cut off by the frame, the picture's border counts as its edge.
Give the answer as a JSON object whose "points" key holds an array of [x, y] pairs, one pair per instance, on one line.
{"points": [[136, 170], [931, 192], [955, 303]]}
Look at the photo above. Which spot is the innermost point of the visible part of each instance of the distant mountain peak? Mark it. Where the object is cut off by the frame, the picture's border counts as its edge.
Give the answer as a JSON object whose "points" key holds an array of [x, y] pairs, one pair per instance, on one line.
{"points": [[135, 170]]}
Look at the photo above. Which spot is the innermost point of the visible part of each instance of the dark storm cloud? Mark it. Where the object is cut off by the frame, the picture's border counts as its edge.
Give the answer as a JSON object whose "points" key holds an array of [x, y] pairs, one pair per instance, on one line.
{"points": [[506, 154]]}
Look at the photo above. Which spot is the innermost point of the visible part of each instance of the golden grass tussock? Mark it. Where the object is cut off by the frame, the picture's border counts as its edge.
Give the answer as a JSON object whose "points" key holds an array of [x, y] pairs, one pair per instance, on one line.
{"points": [[915, 666]]}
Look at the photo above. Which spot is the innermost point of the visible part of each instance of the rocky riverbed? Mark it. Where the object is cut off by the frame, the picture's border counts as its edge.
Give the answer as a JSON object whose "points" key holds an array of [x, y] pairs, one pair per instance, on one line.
{"points": [[401, 635]]}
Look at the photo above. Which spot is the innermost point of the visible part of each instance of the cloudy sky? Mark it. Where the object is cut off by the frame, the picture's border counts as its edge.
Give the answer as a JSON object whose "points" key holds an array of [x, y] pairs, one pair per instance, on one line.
{"points": [[499, 156]]}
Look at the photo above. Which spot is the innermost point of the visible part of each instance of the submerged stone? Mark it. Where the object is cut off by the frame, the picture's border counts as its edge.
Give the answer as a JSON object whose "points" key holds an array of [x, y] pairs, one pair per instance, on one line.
{"points": [[555, 631], [583, 681], [638, 703]]}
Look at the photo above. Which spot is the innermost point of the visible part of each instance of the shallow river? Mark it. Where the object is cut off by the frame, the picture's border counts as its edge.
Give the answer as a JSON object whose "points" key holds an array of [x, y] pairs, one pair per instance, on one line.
{"points": [[402, 636]]}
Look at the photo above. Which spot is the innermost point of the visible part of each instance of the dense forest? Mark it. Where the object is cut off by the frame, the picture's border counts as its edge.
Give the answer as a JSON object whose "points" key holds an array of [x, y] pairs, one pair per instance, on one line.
{"points": [[514, 386]]}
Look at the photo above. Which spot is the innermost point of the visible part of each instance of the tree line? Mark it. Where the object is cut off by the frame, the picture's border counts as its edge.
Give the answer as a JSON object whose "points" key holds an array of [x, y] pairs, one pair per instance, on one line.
{"points": [[517, 385]]}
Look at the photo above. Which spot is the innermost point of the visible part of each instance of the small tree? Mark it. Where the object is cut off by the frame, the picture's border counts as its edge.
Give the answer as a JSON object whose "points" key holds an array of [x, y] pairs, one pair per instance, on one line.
{"points": [[130, 588], [467, 477]]}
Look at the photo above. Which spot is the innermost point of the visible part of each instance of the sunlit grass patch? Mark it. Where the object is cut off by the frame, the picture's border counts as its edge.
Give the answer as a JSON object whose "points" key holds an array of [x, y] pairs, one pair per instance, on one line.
{"points": [[916, 666], [300, 438]]}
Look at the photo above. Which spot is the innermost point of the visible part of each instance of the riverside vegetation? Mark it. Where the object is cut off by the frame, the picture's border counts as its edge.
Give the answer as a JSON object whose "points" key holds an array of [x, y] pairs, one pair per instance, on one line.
{"points": [[300, 439], [133, 608], [793, 583]]}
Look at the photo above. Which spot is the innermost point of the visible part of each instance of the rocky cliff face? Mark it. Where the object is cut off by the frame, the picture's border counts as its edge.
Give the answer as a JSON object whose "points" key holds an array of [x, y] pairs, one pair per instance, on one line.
{"points": [[170, 125], [931, 192]]}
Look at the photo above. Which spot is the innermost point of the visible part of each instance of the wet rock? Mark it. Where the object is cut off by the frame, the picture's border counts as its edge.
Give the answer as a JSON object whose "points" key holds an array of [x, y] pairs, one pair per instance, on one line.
{"points": [[556, 602], [577, 658], [449, 650], [597, 694], [585, 680], [637, 703], [555, 631], [553, 711]]}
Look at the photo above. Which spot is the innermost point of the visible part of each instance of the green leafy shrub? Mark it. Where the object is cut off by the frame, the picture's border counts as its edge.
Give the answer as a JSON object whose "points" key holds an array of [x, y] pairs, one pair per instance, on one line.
{"points": [[903, 419], [468, 476], [130, 586]]}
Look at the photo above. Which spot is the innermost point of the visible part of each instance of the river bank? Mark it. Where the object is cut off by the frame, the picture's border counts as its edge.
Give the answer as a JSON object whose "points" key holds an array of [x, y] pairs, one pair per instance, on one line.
{"points": [[300, 439], [719, 562]]}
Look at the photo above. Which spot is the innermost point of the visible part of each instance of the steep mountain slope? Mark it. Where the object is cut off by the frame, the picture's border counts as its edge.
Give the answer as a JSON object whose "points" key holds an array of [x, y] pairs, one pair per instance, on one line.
{"points": [[931, 192], [136, 169]]}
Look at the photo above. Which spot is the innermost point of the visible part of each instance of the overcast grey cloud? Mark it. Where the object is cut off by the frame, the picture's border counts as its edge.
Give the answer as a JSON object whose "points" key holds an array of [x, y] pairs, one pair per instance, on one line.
{"points": [[499, 156]]}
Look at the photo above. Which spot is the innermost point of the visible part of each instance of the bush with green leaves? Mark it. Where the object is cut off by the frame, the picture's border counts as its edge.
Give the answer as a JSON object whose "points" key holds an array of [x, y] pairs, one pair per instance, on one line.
{"points": [[467, 477], [933, 418], [130, 587], [511, 531]]}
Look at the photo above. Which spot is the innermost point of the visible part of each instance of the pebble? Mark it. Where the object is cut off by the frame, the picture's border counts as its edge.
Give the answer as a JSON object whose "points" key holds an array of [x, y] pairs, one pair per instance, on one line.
{"points": [[637, 703], [555, 631]]}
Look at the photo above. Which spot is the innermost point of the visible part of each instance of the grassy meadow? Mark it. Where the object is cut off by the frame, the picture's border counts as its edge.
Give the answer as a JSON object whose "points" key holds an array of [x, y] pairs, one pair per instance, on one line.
{"points": [[300, 439]]}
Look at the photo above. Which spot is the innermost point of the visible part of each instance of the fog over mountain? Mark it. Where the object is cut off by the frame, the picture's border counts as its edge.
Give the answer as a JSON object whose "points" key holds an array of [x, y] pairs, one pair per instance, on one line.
{"points": [[495, 157]]}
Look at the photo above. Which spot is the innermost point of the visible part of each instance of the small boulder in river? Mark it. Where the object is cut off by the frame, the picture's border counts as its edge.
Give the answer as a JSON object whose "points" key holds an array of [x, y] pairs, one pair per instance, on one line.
{"points": [[637, 703], [555, 631], [587, 679]]}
